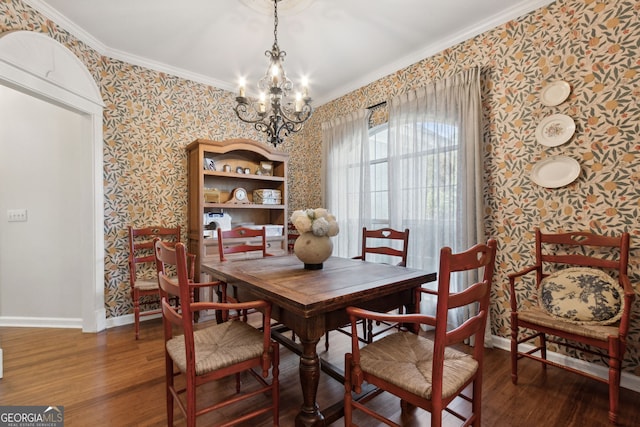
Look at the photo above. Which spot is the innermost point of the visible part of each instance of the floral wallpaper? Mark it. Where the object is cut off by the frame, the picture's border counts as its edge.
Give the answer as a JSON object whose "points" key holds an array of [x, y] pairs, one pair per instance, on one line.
{"points": [[594, 45]]}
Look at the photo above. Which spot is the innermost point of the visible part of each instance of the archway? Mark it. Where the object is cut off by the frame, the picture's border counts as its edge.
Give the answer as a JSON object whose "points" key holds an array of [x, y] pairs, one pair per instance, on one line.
{"points": [[37, 65]]}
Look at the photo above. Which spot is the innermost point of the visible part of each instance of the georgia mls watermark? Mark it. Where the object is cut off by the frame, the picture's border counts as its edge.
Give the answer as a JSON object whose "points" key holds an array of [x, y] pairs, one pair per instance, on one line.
{"points": [[31, 416]]}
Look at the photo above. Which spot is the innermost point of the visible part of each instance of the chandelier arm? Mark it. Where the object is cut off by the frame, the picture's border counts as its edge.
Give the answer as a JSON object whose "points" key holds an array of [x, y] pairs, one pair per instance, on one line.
{"points": [[302, 116], [243, 113]]}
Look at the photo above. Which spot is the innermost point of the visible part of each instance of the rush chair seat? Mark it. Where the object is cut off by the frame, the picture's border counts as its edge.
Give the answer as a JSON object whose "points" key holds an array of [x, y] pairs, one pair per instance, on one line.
{"points": [[212, 352], [422, 372], [143, 279], [381, 245], [579, 298]]}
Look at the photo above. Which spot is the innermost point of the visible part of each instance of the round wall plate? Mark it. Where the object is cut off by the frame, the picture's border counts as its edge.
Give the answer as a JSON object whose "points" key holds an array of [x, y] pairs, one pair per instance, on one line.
{"points": [[555, 130], [555, 171], [555, 93]]}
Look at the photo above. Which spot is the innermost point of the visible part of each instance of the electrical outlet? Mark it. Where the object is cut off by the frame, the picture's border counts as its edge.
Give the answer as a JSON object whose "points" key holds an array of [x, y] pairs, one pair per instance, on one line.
{"points": [[17, 215]]}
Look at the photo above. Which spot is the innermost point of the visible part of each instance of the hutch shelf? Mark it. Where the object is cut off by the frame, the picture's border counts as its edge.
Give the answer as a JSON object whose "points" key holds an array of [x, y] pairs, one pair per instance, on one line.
{"points": [[232, 183]]}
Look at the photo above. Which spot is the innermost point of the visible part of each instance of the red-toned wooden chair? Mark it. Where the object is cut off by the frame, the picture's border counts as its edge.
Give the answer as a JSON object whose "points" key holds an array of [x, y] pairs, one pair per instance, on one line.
{"points": [[380, 242], [292, 236], [384, 245], [422, 372], [143, 279], [573, 301], [213, 352], [244, 241]]}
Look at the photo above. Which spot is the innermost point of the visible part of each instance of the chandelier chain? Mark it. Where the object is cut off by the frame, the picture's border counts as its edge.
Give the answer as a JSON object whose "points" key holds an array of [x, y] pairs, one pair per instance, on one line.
{"points": [[275, 22]]}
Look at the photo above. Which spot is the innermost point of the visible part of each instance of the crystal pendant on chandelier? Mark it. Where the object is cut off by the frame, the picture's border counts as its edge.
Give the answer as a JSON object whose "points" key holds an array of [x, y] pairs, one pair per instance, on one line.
{"points": [[275, 112]]}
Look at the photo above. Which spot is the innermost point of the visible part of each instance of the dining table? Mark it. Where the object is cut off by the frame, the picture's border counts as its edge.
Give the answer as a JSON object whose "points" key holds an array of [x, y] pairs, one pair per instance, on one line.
{"points": [[312, 302]]}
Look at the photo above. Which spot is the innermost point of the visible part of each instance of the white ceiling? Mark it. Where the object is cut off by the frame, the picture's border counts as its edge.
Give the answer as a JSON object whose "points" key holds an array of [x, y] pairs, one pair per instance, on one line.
{"points": [[339, 45]]}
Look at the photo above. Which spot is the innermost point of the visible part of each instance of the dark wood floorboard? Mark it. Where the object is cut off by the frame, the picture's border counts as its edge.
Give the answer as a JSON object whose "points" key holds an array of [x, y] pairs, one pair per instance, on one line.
{"points": [[110, 379]]}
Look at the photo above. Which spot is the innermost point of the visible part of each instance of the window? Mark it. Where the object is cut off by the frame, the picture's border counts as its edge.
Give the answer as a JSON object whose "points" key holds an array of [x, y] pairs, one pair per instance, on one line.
{"points": [[425, 179], [379, 175]]}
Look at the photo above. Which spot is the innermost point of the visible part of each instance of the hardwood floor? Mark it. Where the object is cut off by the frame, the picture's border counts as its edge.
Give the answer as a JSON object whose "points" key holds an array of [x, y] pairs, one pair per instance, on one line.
{"points": [[109, 379]]}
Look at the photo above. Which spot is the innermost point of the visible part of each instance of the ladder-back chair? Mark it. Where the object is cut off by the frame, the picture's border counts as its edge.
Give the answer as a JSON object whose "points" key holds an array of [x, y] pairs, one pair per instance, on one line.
{"points": [[212, 352], [244, 242], [422, 372], [143, 279], [573, 301], [381, 245]]}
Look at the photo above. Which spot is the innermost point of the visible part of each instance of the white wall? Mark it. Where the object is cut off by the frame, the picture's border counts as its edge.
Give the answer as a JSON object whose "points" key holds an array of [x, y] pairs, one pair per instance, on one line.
{"points": [[41, 169]]}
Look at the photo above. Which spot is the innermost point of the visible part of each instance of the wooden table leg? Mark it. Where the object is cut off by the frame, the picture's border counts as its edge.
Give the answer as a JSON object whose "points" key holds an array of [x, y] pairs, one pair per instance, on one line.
{"points": [[309, 415]]}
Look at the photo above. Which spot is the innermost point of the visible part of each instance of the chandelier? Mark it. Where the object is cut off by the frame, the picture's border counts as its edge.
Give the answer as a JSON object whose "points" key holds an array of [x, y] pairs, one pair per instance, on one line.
{"points": [[275, 112]]}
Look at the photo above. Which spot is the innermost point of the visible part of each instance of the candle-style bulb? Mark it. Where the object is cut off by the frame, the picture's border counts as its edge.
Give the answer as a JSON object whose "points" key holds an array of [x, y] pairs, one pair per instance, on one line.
{"points": [[242, 84], [298, 102]]}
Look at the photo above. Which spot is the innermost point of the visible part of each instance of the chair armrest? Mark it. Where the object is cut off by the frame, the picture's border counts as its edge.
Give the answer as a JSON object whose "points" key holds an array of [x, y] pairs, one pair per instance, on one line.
{"points": [[626, 285], [226, 306], [206, 284], [416, 319], [428, 291], [522, 272], [629, 297], [418, 296], [513, 300], [222, 287], [191, 262]]}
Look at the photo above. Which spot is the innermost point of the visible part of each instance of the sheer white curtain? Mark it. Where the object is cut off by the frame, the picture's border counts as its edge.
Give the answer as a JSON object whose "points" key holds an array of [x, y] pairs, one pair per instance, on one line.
{"points": [[435, 171], [346, 178]]}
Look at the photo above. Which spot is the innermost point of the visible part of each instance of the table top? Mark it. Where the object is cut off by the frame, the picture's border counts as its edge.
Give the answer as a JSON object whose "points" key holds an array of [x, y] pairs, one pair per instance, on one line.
{"points": [[340, 283]]}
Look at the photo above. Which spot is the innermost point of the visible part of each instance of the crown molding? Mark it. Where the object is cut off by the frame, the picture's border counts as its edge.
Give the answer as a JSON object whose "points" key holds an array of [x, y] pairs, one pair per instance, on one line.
{"points": [[67, 24], [168, 69], [514, 12], [82, 35], [517, 10]]}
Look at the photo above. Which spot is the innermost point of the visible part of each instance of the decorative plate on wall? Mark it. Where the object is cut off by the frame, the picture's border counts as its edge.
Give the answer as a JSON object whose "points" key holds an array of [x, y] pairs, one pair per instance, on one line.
{"points": [[555, 130], [555, 93], [555, 171]]}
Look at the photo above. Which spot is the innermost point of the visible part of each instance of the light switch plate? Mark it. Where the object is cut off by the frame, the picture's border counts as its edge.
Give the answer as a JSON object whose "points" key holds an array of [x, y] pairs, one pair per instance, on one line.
{"points": [[17, 215]]}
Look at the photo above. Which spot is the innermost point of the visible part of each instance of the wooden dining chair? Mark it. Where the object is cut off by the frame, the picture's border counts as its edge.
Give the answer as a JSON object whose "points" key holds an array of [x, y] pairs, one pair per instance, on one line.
{"points": [[245, 241], [143, 279], [242, 240], [427, 373], [382, 245], [213, 352], [292, 236], [385, 245], [580, 298]]}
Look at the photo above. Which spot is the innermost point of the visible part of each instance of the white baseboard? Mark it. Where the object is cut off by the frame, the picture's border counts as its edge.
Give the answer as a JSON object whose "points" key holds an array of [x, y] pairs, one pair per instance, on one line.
{"points": [[628, 381], [53, 322], [128, 319], [40, 322]]}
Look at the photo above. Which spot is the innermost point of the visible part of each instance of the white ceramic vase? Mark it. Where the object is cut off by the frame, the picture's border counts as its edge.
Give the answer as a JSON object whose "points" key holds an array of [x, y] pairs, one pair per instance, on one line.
{"points": [[312, 250]]}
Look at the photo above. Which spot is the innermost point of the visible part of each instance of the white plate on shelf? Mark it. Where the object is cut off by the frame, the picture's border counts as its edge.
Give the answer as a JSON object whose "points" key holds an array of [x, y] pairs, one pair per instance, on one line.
{"points": [[555, 93], [555, 130], [555, 171]]}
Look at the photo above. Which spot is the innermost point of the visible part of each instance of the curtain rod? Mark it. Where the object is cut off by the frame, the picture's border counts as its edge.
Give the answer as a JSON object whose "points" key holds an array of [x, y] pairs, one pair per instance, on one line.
{"points": [[379, 104]]}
